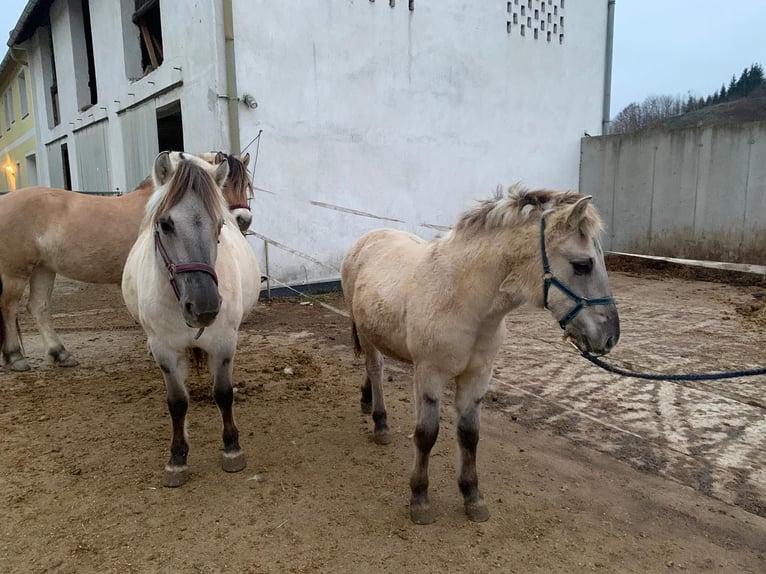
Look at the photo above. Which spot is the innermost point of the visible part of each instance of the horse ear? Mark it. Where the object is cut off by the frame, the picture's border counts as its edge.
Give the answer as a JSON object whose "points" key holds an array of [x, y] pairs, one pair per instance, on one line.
{"points": [[245, 159], [221, 173], [577, 212], [220, 157], [163, 168]]}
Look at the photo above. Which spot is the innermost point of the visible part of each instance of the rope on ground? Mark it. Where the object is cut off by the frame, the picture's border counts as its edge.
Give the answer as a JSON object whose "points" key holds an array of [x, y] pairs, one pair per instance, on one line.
{"points": [[673, 377], [327, 306]]}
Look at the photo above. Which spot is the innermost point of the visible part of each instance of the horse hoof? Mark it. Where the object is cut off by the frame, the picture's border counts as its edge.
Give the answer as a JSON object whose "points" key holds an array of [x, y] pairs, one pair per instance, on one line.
{"points": [[233, 461], [67, 361], [381, 437], [366, 408], [20, 365], [175, 476], [421, 515], [477, 512]]}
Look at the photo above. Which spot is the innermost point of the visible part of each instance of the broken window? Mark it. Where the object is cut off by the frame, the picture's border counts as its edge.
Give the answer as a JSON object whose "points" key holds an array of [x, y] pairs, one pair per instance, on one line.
{"points": [[147, 18]]}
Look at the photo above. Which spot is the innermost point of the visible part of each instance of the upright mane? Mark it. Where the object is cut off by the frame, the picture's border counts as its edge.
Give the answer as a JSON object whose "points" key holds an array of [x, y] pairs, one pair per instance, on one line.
{"points": [[189, 177], [516, 208]]}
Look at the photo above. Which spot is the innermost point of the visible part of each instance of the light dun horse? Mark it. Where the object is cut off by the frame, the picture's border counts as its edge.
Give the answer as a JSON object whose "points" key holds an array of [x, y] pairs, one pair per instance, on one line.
{"points": [[440, 305], [190, 279], [84, 237]]}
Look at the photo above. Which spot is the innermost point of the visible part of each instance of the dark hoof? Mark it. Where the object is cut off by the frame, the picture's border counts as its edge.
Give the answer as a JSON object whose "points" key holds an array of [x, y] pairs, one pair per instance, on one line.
{"points": [[233, 461], [381, 437], [20, 365], [477, 512], [366, 408], [175, 476], [422, 514], [66, 360]]}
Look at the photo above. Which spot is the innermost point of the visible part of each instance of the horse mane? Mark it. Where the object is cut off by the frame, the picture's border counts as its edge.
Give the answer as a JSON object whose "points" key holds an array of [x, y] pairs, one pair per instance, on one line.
{"points": [[188, 176], [238, 177], [516, 208]]}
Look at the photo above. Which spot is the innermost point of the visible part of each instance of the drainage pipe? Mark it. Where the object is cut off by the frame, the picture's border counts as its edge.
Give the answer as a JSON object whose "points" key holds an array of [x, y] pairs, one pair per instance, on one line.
{"points": [[605, 119], [232, 101]]}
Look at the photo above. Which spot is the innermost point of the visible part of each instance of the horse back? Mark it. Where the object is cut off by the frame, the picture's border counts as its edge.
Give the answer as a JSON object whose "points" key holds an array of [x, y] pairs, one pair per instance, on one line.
{"points": [[84, 237]]}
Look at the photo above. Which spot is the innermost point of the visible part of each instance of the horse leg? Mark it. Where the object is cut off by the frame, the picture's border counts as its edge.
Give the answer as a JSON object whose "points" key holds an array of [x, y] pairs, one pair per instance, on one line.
{"points": [[174, 370], [372, 395], [428, 392], [233, 459], [40, 290], [10, 351], [469, 392]]}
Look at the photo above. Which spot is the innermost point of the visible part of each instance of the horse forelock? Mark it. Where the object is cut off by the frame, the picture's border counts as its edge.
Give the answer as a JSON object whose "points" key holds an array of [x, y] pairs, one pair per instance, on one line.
{"points": [[518, 207], [188, 177], [239, 179]]}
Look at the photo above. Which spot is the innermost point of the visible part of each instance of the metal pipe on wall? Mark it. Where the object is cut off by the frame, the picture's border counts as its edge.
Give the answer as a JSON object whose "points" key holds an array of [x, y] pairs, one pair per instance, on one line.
{"points": [[608, 67], [231, 77]]}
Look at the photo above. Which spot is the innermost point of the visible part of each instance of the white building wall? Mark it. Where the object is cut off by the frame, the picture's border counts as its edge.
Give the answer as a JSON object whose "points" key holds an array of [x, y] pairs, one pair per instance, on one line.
{"points": [[408, 115]]}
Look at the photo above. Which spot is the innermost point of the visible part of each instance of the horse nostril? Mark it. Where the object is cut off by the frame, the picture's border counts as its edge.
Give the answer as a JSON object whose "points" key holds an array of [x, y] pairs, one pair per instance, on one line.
{"points": [[189, 307], [611, 342]]}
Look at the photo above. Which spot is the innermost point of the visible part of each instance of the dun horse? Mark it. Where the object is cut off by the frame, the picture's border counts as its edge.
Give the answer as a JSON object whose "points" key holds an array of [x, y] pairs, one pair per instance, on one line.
{"points": [[440, 305], [190, 279], [84, 237]]}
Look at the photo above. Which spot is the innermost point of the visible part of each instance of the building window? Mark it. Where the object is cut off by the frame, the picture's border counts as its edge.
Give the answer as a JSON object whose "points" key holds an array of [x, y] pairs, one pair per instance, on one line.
{"points": [[23, 97], [8, 108], [170, 131], [82, 47], [49, 79], [147, 19], [66, 170]]}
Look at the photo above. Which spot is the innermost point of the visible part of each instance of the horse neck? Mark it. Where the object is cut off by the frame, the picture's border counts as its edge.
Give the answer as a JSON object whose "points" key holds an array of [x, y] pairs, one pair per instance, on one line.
{"points": [[483, 261]]}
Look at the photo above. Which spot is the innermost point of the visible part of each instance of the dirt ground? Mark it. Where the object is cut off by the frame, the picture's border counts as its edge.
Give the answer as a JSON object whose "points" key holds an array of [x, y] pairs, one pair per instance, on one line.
{"points": [[82, 452]]}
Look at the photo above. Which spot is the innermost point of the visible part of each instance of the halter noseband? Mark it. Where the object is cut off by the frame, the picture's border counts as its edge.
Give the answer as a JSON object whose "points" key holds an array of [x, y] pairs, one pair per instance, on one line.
{"points": [[175, 268], [550, 279]]}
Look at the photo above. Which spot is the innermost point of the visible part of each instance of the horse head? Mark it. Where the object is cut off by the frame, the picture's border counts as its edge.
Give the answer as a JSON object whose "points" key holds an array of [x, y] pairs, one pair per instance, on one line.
{"points": [[238, 189], [575, 286], [187, 212]]}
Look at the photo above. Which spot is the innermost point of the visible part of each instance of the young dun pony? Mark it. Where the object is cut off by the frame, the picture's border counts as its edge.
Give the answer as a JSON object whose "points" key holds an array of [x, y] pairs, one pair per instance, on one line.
{"points": [[190, 279], [440, 305], [84, 237]]}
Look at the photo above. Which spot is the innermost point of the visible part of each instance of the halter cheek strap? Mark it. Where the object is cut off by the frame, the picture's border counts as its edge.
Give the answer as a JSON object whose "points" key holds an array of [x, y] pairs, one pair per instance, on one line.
{"points": [[175, 268], [550, 279]]}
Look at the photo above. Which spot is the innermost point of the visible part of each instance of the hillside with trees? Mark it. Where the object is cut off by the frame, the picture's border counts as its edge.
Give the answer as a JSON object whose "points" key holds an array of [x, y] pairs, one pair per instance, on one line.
{"points": [[743, 100]]}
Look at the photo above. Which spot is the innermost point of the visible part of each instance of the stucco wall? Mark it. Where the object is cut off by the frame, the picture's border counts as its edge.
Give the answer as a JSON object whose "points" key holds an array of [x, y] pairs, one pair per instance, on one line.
{"points": [[695, 193], [408, 115]]}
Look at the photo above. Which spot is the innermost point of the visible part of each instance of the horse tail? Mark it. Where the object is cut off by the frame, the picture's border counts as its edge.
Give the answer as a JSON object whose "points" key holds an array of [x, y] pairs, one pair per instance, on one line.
{"points": [[355, 337]]}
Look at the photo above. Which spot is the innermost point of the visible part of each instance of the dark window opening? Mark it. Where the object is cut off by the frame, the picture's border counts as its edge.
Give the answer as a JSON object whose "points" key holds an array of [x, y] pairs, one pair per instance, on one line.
{"points": [[89, 49], [170, 131], [54, 89], [147, 18], [65, 167]]}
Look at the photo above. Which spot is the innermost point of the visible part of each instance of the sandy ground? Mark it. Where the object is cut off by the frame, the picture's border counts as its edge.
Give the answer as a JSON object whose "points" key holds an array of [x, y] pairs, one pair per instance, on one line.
{"points": [[583, 471]]}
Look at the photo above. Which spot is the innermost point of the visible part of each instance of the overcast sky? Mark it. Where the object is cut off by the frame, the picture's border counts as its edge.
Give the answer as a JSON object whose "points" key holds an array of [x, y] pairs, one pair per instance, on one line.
{"points": [[660, 46]]}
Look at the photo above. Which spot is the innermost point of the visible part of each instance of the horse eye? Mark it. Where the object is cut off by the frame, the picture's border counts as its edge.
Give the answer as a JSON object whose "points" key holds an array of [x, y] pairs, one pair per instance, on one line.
{"points": [[582, 267], [167, 225]]}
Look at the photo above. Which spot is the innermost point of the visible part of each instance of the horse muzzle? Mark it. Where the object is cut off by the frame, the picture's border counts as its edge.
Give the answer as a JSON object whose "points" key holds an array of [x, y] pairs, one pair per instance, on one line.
{"points": [[201, 309], [596, 330]]}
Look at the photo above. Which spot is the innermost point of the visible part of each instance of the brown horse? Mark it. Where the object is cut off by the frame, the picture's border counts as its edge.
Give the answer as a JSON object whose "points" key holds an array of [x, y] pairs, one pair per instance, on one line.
{"points": [[440, 305], [84, 237]]}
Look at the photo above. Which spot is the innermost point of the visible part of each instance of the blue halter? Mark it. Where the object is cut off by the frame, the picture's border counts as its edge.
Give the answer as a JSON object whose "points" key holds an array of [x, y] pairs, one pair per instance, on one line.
{"points": [[550, 279]]}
